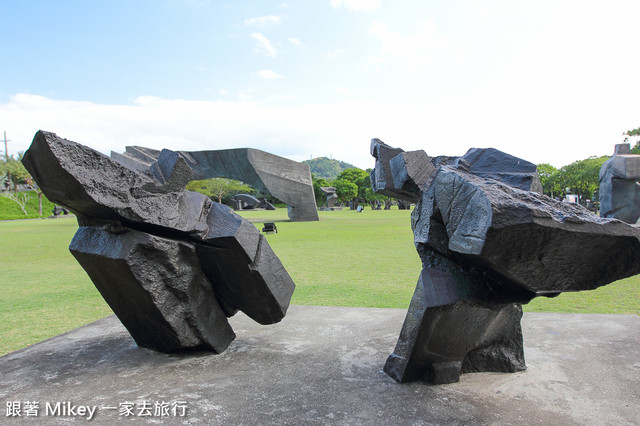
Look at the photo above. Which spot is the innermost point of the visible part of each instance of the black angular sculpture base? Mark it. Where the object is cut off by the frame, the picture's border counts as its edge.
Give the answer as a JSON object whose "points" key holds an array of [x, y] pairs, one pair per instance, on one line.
{"points": [[489, 241], [155, 286], [488, 337]]}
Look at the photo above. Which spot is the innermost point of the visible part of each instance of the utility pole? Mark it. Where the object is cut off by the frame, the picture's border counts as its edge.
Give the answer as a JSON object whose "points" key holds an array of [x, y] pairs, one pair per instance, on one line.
{"points": [[6, 152]]}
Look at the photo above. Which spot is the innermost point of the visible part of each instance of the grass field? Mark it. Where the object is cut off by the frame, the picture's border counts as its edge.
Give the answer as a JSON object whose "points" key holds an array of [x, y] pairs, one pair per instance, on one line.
{"points": [[346, 259]]}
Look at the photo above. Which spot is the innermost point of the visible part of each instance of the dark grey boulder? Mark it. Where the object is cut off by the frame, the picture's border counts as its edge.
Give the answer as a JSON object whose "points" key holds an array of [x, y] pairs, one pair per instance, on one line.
{"points": [[490, 242], [171, 263], [382, 179], [245, 272]]}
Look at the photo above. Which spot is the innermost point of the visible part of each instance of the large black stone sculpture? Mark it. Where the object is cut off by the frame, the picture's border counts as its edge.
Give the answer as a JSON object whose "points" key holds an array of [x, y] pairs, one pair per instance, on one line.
{"points": [[285, 179], [172, 264], [489, 242], [619, 187]]}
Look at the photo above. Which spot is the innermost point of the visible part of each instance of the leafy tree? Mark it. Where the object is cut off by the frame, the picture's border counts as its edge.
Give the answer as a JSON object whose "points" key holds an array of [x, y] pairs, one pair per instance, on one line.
{"points": [[317, 184], [632, 133], [366, 192], [364, 187], [360, 178], [550, 179], [220, 189], [353, 175], [345, 190], [14, 170], [371, 197], [582, 177]]}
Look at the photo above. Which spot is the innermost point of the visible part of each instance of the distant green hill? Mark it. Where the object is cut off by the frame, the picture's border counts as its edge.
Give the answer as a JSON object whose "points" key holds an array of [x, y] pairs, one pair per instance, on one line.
{"points": [[323, 167]]}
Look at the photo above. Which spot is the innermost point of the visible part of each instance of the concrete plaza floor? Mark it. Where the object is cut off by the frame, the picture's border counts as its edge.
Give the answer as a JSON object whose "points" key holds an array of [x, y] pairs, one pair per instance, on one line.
{"points": [[323, 365]]}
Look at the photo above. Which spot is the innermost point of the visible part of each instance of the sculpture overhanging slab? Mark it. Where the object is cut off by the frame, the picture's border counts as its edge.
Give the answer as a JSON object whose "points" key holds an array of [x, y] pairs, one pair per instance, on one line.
{"points": [[489, 241], [172, 264], [285, 179]]}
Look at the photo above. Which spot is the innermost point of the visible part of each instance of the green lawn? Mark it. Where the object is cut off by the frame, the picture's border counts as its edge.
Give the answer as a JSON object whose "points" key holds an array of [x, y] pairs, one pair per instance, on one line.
{"points": [[43, 290], [346, 259]]}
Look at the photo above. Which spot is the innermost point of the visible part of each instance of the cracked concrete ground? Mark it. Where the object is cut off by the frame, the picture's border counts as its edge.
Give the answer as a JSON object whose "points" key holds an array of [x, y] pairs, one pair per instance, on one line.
{"points": [[323, 365]]}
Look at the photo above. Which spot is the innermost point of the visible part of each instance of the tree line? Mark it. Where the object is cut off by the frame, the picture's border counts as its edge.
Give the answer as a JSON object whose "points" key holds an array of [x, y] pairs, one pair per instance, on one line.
{"points": [[581, 178], [352, 184], [12, 172]]}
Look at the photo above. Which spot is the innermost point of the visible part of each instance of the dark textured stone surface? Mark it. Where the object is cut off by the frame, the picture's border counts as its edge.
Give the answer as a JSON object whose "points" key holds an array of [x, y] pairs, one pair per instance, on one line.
{"points": [[246, 274], [171, 263], [157, 281], [284, 179], [488, 243], [410, 170], [537, 243], [453, 326], [494, 164], [382, 179], [619, 187]]}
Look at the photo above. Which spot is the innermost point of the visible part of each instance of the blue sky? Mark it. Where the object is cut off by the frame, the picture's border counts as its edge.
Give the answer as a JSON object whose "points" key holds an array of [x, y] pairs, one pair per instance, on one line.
{"points": [[548, 81]]}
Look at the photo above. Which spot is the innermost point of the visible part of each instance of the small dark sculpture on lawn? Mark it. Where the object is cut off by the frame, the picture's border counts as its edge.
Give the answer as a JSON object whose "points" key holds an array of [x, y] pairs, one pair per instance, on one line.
{"points": [[244, 201], [172, 264], [330, 196], [489, 241], [619, 187]]}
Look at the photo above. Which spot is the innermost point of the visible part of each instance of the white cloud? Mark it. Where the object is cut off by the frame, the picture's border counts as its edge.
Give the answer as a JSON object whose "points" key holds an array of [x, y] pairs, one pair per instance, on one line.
{"points": [[365, 5], [335, 53], [343, 129], [295, 41], [413, 50], [341, 90], [263, 21], [269, 74], [264, 45], [246, 95], [293, 132]]}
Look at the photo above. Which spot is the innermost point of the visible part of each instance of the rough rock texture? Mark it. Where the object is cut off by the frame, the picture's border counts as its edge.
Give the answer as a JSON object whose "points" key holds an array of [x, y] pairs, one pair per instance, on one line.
{"points": [[171, 263], [285, 179], [488, 243], [619, 187], [382, 176], [158, 279]]}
